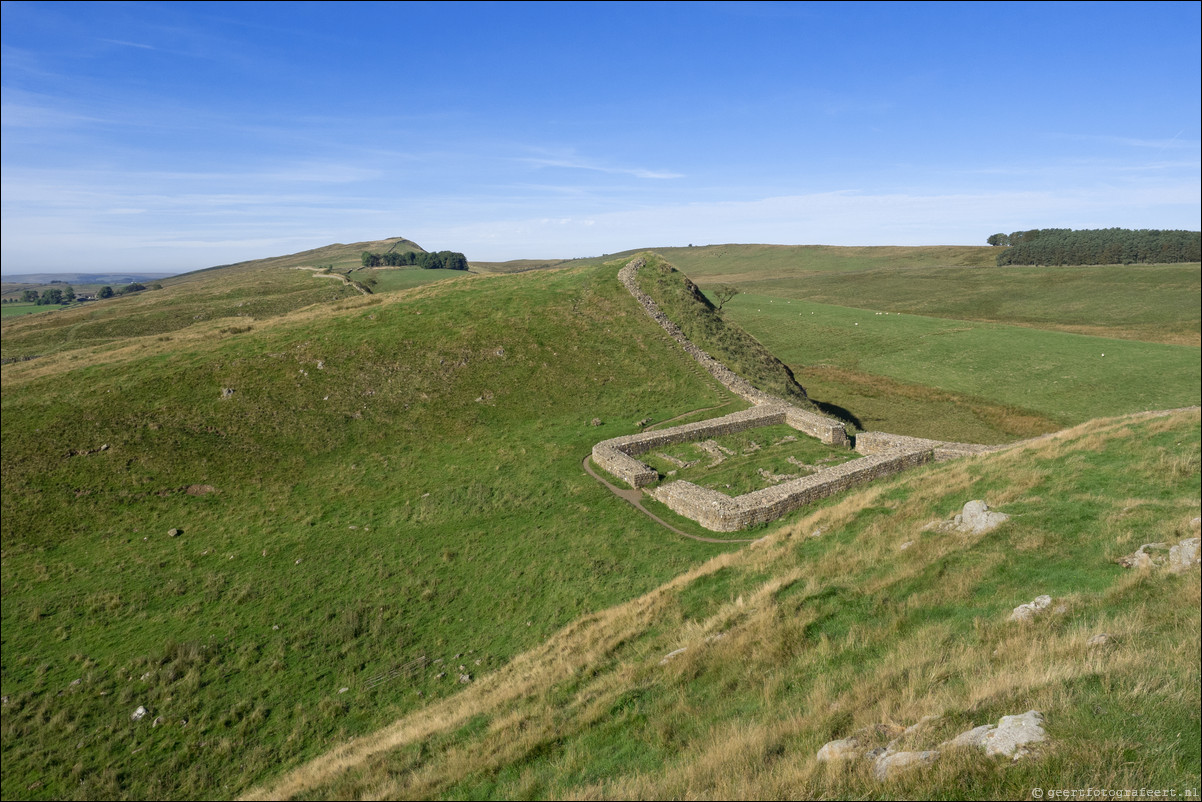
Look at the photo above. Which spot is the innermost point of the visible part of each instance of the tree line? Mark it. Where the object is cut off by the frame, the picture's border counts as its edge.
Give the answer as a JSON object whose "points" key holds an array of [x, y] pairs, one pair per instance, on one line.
{"points": [[1102, 246], [440, 260], [66, 295]]}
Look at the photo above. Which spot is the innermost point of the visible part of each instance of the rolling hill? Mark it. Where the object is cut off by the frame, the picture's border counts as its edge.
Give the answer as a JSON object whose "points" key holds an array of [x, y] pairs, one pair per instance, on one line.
{"points": [[276, 514]]}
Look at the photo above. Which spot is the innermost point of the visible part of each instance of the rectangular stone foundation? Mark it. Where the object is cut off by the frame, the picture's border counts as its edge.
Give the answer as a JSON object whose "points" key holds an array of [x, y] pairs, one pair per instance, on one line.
{"points": [[721, 513]]}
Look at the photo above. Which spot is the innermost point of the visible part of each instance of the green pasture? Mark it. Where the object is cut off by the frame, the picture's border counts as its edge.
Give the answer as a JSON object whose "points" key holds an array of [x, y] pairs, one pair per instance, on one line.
{"points": [[403, 278], [1153, 303], [1062, 377], [858, 618], [393, 478], [19, 309]]}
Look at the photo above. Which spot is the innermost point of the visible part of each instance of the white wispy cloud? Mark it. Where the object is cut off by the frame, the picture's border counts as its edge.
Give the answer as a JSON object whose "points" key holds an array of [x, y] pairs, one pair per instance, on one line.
{"points": [[583, 164]]}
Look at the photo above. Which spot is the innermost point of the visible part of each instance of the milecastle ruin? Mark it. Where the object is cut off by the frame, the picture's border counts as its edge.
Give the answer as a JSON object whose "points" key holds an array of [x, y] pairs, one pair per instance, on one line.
{"points": [[883, 454]]}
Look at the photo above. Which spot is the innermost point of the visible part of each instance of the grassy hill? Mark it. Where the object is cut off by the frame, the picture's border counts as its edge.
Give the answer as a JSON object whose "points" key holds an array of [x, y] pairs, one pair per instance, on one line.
{"points": [[388, 478], [727, 680], [374, 495], [215, 301]]}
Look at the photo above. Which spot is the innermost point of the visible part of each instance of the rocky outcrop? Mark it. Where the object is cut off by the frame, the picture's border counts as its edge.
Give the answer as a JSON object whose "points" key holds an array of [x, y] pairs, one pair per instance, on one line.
{"points": [[1013, 737], [974, 518]]}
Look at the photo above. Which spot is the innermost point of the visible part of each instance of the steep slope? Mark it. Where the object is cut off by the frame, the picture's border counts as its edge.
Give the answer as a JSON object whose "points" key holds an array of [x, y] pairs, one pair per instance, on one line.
{"points": [[358, 489], [724, 682]]}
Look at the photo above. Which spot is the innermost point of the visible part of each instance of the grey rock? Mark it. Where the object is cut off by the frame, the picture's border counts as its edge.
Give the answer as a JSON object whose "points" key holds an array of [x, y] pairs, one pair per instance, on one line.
{"points": [[974, 737], [227, 392], [1149, 555], [1101, 640], [672, 654], [464, 679], [891, 764], [1015, 736], [1184, 556], [138, 714], [843, 749], [1026, 612], [174, 532]]}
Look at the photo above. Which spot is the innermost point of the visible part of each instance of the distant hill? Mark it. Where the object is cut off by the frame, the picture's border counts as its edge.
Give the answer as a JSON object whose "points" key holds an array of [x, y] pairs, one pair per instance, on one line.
{"points": [[83, 278]]}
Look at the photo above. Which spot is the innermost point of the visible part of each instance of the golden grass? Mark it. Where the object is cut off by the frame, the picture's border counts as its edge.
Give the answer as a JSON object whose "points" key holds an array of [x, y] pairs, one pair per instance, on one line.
{"points": [[932, 670]]}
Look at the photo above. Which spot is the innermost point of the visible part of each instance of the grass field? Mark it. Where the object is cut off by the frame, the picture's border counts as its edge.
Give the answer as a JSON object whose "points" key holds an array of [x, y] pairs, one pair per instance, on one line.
{"points": [[361, 482], [1025, 374], [19, 309], [805, 639], [393, 279], [1150, 303], [392, 476]]}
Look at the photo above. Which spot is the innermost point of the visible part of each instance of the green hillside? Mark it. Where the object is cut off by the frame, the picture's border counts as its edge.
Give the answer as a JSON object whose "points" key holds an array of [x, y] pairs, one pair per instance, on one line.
{"points": [[278, 514], [358, 484], [212, 302], [725, 682]]}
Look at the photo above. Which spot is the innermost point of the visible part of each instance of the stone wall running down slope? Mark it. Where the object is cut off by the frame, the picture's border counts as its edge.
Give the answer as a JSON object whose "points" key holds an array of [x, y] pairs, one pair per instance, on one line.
{"points": [[884, 454]]}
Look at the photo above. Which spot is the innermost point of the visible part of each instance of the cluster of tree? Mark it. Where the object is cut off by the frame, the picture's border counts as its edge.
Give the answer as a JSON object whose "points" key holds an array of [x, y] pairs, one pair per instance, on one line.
{"points": [[1103, 246], [49, 297], [442, 260]]}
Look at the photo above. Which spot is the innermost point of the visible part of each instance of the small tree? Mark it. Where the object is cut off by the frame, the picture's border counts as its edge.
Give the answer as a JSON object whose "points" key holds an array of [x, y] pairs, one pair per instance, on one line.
{"points": [[105, 292], [723, 293]]}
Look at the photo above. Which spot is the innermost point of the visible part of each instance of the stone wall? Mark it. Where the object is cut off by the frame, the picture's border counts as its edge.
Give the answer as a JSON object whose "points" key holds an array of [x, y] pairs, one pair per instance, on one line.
{"points": [[721, 513], [882, 442], [617, 455], [828, 430], [884, 454]]}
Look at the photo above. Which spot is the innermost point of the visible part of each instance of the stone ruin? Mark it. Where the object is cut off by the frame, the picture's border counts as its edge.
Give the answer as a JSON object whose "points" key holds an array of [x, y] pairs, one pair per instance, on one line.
{"points": [[882, 454]]}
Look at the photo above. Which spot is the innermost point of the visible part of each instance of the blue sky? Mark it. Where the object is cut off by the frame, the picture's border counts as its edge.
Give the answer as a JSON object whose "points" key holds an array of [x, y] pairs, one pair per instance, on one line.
{"points": [[152, 136]]}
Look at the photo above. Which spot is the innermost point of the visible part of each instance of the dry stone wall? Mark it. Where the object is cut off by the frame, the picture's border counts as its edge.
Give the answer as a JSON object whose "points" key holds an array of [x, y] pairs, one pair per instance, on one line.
{"points": [[828, 430], [882, 442], [883, 454], [721, 513]]}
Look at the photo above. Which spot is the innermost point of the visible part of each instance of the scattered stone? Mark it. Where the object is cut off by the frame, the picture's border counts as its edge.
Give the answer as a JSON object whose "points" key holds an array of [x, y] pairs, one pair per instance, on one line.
{"points": [[199, 490], [643, 422], [440, 675], [227, 392], [138, 714], [595, 422], [1025, 612], [905, 545], [891, 764], [1101, 640], [1149, 555], [75, 682], [1015, 736], [174, 532], [775, 478], [464, 679], [343, 690], [817, 532], [146, 676], [157, 721], [670, 655]]}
